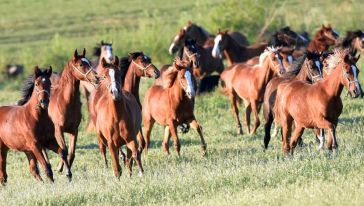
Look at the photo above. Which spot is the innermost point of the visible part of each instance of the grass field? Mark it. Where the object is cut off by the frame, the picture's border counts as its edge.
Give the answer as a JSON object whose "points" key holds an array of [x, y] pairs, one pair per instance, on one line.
{"points": [[236, 170]]}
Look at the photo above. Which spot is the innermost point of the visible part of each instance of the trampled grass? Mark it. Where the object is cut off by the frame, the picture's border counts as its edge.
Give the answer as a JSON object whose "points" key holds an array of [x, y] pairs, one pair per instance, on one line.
{"points": [[236, 170]]}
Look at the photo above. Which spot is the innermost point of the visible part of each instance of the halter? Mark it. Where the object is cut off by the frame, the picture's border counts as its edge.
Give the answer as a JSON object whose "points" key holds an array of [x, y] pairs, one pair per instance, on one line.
{"points": [[190, 55], [85, 74], [280, 63], [347, 78], [314, 78], [38, 92], [141, 67]]}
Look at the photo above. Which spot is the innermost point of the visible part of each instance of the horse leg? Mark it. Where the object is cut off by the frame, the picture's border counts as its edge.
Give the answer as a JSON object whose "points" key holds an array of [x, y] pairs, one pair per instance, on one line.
{"points": [[254, 106], [3, 154], [335, 145], [248, 111], [72, 149], [141, 141], [320, 136], [176, 143], [36, 149], [297, 133], [129, 161], [233, 102], [165, 143], [148, 125], [286, 133], [267, 127], [58, 133], [63, 155], [33, 168], [115, 159], [136, 156], [194, 124]]}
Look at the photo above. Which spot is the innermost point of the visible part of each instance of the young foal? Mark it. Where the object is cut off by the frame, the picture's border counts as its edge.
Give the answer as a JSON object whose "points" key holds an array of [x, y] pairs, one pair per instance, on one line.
{"points": [[172, 106], [233, 51], [309, 69], [28, 128], [248, 82], [316, 105], [65, 103], [117, 116]]}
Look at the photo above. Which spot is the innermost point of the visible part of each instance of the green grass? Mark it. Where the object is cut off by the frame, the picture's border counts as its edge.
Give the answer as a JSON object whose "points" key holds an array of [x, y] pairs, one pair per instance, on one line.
{"points": [[236, 171]]}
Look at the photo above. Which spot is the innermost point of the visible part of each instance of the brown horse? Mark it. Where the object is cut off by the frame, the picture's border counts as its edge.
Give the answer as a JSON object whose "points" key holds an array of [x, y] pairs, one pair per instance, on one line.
{"points": [[172, 106], [316, 105], [285, 37], [65, 103], [307, 68], [202, 37], [117, 116], [233, 51], [208, 64], [28, 128], [248, 82], [354, 40], [323, 39]]}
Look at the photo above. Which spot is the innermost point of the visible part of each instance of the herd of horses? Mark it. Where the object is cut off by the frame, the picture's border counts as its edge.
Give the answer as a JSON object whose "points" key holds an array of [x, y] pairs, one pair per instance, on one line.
{"points": [[297, 81]]}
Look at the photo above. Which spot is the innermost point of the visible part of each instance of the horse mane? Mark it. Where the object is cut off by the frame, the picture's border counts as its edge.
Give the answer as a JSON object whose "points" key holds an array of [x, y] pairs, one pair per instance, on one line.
{"points": [[334, 59], [125, 62], [295, 67], [26, 90], [267, 52], [350, 36]]}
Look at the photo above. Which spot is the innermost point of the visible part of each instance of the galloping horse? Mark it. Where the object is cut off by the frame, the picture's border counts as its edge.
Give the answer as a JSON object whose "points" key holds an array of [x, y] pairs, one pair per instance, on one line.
{"points": [[233, 51], [308, 68], [323, 39], [248, 82], [208, 64], [65, 103], [202, 37], [316, 105], [354, 40], [117, 116], [28, 128], [172, 106]]}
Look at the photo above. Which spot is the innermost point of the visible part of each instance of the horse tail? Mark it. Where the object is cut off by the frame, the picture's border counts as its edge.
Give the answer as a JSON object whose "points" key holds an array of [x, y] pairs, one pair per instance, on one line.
{"points": [[26, 90], [184, 128]]}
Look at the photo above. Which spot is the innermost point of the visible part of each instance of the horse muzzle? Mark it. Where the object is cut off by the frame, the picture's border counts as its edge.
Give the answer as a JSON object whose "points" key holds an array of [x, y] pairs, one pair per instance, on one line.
{"points": [[44, 103]]}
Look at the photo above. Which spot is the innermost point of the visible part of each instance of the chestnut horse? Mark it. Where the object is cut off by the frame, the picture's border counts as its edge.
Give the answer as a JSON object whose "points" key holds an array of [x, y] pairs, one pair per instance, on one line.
{"points": [[65, 103], [248, 82], [172, 106], [354, 40], [202, 37], [316, 105], [117, 116], [28, 128], [233, 51], [323, 39], [307, 68], [208, 64]]}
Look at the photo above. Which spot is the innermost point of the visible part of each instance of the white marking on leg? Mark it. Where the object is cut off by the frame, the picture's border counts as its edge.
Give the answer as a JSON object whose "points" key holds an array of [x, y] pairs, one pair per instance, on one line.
{"points": [[321, 137]]}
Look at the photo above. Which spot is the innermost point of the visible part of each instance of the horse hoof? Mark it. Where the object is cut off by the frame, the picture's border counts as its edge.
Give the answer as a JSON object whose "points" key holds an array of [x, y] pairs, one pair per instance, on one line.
{"points": [[140, 174], [69, 177]]}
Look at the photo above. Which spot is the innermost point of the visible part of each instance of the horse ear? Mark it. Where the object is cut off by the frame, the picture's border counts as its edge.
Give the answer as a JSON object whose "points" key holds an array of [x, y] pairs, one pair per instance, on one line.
{"points": [[49, 72], [226, 31], [103, 62], [75, 55], [84, 52], [37, 72], [116, 61]]}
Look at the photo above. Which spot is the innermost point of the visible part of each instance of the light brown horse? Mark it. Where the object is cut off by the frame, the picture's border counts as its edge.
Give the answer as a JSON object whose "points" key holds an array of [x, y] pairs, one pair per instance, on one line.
{"points": [[248, 82], [208, 64], [308, 68], [323, 39], [28, 128], [117, 117], [201, 36], [172, 106], [65, 103], [233, 51], [316, 105]]}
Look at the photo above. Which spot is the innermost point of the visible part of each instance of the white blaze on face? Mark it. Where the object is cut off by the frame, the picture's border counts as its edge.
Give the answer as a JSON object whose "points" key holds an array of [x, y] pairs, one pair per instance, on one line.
{"points": [[290, 59], [108, 54], [302, 38], [113, 86], [355, 72], [190, 89], [318, 65], [216, 50]]}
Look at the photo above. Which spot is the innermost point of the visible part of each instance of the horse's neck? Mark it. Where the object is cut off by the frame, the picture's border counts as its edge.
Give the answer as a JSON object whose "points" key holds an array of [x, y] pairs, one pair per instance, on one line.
{"points": [[33, 108], [176, 91], [115, 108], [303, 74], [316, 45], [68, 85], [202, 37], [332, 84], [132, 82], [264, 74], [228, 58], [234, 51]]}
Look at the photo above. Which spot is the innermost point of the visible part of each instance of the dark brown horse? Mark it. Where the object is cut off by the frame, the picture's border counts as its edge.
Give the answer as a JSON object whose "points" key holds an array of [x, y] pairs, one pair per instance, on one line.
{"points": [[117, 116], [172, 106], [65, 103], [354, 40], [248, 82], [28, 128], [307, 68], [233, 51], [202, 37], [208, 64], [285, 37], [316, 105]]}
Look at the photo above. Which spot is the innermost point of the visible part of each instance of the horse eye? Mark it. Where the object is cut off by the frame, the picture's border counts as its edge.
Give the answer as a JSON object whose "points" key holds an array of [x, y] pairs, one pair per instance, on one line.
{"points": [[81, 64], [36, 84]]}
